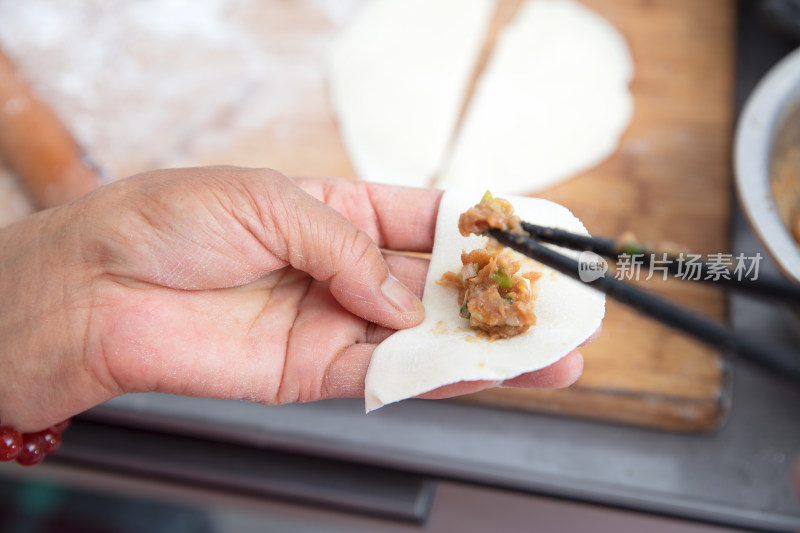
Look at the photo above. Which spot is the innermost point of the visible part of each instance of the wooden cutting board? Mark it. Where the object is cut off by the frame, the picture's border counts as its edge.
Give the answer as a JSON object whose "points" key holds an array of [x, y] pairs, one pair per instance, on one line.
{"points": [[669, 180]]}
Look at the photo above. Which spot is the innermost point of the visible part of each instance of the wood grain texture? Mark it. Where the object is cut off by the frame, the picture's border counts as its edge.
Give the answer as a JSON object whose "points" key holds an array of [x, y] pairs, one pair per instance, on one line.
{"points": [[669, 180]]}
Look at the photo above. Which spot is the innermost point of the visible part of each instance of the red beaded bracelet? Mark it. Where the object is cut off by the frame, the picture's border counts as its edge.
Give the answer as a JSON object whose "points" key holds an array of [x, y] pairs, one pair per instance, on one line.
{"points": [[30, 449]]}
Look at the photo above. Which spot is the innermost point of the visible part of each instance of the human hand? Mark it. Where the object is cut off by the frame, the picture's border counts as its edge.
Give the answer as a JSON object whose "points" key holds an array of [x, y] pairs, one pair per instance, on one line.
{"points": [[219, 282]]}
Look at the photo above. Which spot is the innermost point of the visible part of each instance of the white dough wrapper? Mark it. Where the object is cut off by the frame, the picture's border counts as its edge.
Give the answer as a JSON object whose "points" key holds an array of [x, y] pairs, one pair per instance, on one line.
{"points": [[444, 350], [552, 102], [398, 76]]}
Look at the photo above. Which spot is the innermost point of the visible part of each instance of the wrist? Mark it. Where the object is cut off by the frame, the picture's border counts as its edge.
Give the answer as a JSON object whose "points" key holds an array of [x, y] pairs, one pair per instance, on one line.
{"points": [[44, 315]]}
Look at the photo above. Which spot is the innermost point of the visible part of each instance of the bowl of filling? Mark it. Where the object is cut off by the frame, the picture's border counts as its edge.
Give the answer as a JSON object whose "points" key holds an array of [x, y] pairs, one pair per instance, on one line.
{"points": [[767, 162]]}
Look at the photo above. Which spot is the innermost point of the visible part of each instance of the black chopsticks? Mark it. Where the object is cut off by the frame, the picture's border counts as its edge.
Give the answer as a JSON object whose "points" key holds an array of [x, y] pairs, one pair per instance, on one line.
{"points": [[703, 272], [671, 315]]}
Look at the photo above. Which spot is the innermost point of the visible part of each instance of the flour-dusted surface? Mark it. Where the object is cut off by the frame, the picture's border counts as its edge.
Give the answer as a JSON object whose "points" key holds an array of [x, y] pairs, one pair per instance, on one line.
{"points": [[444, 350], [398, 77], [552, 102], [153, 84]]}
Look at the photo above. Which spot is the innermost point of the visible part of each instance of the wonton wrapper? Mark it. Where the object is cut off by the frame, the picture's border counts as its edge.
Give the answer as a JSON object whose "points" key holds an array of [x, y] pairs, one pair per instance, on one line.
{"points": [[444, 350]]}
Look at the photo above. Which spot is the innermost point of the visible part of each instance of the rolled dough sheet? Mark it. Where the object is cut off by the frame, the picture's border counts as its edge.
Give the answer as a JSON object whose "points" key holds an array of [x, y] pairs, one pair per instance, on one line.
{"points": [[443, 349], [398, 76], [552, 102]]}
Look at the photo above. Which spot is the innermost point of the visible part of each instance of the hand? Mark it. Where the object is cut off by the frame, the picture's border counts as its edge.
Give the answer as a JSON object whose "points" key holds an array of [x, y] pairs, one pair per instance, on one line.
{"points": [[219, 282]]}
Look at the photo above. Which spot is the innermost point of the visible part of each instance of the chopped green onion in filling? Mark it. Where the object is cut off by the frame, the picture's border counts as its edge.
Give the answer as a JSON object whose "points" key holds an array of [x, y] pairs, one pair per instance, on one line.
{"points": [[502, 278], [464, 312]]}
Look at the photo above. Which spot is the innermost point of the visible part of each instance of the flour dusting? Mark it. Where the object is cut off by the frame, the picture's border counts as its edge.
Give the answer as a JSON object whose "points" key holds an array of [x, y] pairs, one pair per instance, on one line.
{"points": [[152, 83]]}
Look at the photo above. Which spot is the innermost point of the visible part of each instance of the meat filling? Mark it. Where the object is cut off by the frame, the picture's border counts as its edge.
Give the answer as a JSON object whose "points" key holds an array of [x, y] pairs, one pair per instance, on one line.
{"points": [[491, 294], [491, 212]]}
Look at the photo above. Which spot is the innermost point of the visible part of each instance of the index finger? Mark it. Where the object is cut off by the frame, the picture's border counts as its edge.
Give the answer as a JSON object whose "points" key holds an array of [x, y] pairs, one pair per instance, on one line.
{"points": [[395, 217]]}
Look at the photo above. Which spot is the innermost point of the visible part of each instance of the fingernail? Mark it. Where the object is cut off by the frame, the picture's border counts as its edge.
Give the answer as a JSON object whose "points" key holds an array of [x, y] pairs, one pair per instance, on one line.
{"points": [[399, 296]]}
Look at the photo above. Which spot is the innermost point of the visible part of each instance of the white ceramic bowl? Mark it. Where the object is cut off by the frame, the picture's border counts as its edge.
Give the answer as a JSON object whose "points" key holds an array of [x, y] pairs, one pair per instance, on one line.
{"points": [[775, 95]]}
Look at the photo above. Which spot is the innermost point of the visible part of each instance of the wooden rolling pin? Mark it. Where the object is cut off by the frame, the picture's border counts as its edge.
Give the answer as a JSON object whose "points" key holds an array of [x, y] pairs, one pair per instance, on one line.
{"points": [[38, 147]]}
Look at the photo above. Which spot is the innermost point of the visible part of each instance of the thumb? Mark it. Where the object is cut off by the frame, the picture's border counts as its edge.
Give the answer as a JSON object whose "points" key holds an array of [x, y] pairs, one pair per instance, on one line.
{"points": [[320, 241]]}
